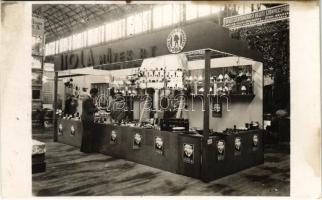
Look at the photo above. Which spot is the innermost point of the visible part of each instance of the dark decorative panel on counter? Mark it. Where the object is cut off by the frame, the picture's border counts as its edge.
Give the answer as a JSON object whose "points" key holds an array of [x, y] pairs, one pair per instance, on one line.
{"points": [[189, 155], [70, 132]]}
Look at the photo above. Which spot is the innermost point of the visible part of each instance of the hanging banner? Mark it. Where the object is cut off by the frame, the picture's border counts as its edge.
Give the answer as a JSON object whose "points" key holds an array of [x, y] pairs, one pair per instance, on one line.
{"points": [[38, 26], [38, 31], [256, 18], [36, 78], [36, 62], [37, 45]]}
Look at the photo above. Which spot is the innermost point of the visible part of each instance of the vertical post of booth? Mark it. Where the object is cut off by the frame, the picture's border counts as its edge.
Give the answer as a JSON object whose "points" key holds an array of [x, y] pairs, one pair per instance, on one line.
{"points": [[204, 168], [55, 106]]}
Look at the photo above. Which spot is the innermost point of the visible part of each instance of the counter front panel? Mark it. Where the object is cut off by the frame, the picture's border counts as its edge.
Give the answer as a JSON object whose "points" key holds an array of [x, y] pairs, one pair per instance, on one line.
{"points": [[175, 152], [189, 156], [70, 132]]}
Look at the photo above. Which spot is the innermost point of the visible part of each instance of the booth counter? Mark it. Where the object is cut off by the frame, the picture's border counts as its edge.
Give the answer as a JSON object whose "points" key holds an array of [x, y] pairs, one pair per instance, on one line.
{"points": [[175, 152]]}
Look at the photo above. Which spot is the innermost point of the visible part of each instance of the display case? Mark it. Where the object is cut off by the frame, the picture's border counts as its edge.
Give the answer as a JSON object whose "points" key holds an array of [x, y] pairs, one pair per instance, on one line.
{"points": [[234, 82]]}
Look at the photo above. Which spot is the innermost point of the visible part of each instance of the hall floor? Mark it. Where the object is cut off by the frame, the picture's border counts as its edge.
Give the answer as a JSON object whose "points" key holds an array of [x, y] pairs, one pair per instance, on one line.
{"points": [[72, 173]]}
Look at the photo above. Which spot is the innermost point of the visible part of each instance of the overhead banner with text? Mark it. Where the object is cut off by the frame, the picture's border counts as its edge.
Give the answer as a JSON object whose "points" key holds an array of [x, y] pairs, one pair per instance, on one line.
{"points": [[256, 18]]}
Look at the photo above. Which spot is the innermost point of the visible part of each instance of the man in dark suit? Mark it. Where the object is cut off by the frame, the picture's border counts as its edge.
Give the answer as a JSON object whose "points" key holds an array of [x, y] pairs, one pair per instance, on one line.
{"points": [[88, 140]]}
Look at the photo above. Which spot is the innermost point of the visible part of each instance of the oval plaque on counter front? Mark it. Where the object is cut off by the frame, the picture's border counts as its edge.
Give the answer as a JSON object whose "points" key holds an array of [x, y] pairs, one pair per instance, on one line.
{"points": [[60, 129], [188, 153], [255, 142], [238, 146], [137, 141], [72, 130], [113, 138], [158, 145], [221, 149]]}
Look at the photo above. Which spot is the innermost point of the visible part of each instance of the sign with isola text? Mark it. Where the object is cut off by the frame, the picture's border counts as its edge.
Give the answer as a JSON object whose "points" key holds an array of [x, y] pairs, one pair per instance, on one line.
{"points": [[96, 57]]}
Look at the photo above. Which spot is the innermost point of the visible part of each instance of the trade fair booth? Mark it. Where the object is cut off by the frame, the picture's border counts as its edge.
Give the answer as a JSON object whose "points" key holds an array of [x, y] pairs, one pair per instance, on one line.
{"points": [[195, 109]]}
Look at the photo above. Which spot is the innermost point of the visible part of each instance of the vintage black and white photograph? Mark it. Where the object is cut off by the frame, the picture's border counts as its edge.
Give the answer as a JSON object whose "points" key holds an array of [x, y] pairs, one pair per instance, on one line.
{"points": [[162, 98], [207, 85]]}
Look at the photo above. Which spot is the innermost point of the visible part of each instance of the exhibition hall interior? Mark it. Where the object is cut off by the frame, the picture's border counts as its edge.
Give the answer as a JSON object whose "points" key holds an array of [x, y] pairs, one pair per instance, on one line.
{"points": [[160, 99]]}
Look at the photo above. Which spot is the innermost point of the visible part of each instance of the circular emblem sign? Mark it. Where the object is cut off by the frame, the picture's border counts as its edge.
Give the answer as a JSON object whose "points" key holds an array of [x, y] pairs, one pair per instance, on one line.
{"points": [[176, 40]]}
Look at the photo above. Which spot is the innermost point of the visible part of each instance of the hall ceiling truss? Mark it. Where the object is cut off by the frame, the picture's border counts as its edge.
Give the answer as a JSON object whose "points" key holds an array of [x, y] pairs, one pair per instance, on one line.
{"points": [[62, 20]]}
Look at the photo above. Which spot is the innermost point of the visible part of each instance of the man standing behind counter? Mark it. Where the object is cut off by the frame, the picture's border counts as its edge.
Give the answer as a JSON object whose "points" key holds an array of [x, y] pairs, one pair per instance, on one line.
{"points": [[88, 139]]}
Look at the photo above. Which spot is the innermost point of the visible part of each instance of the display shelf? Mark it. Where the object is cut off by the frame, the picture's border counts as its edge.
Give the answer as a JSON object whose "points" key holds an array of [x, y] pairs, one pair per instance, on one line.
{"points": [[242, 97], [37, 70], [232, 97]]}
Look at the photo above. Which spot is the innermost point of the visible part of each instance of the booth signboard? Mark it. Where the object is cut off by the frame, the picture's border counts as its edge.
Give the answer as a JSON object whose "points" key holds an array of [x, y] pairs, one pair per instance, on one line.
{"points": [[153, 44], [159, 145], [137, 141], [113, 138], [238, 146], [276, 13], [99, 56], [188, 153], [255, 142], [221, 150]]}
